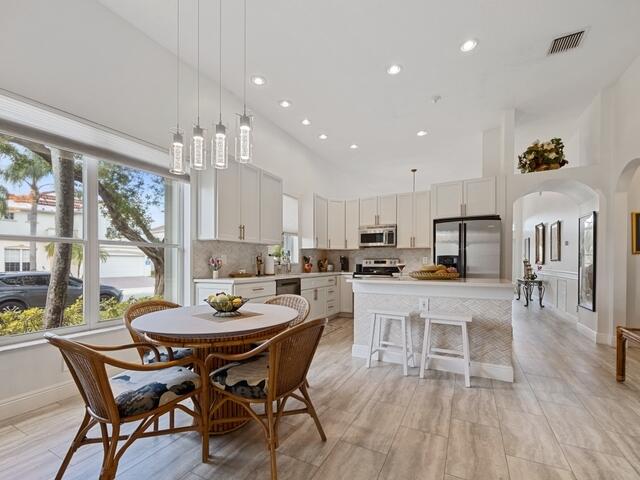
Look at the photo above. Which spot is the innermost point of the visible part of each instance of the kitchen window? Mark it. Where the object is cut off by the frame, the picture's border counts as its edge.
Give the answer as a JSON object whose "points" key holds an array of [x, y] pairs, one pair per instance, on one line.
{"points": [[290, 236], [109, 233]]}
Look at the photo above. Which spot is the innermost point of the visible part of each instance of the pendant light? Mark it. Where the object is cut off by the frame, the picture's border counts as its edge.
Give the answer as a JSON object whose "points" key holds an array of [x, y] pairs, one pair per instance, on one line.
{"points": [[198, 150], [219, 153], [177, 145], [244, 126]]}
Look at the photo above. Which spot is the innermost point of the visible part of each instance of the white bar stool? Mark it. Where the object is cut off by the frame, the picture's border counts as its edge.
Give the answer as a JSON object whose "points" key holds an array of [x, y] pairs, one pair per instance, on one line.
{"points": [[378, 317], [457, 320]]}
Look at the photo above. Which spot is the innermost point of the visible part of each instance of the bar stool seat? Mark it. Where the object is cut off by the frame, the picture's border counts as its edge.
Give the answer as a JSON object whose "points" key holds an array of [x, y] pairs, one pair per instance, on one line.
{"points": [[381, 345], [428, 352]]}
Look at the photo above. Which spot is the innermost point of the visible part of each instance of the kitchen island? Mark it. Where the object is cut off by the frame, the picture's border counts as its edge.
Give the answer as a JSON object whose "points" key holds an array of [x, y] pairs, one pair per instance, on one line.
{"points": [[489, 301]]}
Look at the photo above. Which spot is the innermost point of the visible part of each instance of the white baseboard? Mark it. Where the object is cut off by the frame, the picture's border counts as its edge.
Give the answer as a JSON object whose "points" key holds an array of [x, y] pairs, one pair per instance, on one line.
{"points": [[33, 400], [587, 332], [486, 370], [605, 339]]}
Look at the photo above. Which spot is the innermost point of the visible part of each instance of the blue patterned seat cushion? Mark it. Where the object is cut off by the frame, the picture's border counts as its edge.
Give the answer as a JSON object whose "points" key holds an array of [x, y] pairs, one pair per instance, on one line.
{"points": [[139, 392], [178, 353], [246, 379]]}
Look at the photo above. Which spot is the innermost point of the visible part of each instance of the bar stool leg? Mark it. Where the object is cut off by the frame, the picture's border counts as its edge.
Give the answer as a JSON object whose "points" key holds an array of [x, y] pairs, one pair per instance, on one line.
{"points": [[371, 338], [425, 347], [467, 359], [404, 347], [412, 354]]}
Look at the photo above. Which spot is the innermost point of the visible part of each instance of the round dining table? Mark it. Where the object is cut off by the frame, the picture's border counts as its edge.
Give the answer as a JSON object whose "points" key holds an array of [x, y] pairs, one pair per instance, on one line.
{"points": [[199, 329]]}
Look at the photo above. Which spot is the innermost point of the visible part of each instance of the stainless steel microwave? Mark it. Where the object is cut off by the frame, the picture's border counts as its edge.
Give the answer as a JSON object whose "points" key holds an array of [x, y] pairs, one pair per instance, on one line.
{"points": [[378, 236]]}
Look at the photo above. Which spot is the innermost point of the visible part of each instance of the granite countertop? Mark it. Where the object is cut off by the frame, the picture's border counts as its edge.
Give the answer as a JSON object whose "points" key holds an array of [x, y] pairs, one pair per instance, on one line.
{"points": [[460, 282], [268, 278]]}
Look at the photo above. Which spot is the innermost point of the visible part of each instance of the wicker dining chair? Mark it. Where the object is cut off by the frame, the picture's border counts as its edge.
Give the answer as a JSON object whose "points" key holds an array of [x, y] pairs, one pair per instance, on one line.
{"points": [[141, 393], [297, 302], [271, 373], [149, 306]]}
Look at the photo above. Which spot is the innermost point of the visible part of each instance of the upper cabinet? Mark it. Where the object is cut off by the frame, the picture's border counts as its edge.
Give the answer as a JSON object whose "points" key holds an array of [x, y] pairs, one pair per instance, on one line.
{"points": [[241, 203], [414, 220], [465, 199], [320, 221], [352, 223], [270, 209], [378, 210], [336, 225]]}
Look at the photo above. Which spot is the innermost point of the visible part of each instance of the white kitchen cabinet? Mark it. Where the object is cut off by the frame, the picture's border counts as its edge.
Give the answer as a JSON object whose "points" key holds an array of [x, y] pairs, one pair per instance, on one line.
{"points": [[227, 211], [467, 198], [346, 294], [414, 220], [250, 203], [368, 211], [320, 219], [270, 209], [378, 210], [317, 298], [352, 224], [480, 197], [336, 225]]}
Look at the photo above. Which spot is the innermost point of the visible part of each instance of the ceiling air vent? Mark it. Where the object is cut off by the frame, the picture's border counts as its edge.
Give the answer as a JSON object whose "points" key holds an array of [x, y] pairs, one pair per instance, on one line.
{"points": [[566, 42]]}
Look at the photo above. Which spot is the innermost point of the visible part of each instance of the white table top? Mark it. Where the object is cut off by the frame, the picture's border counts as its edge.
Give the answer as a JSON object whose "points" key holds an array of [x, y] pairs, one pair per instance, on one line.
{"points": [[199, 321]]}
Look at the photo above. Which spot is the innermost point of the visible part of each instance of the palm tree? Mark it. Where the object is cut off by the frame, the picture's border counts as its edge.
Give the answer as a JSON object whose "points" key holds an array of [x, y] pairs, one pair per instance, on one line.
{"points": [[77, 254], [28, 168]]}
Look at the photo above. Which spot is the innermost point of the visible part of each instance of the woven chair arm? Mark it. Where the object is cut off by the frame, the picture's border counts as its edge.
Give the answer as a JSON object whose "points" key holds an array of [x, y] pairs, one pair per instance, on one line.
{"points": [[148, 367], [236, 357], [114, 348]]}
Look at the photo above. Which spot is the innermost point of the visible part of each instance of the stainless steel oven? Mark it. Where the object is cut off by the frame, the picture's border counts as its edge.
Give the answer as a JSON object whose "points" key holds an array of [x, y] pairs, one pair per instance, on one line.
{"points": [[378, 236]]}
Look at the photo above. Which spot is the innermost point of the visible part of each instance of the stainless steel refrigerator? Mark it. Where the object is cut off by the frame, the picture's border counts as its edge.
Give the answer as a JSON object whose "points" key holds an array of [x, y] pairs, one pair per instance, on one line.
{"points": [[472, 245]]}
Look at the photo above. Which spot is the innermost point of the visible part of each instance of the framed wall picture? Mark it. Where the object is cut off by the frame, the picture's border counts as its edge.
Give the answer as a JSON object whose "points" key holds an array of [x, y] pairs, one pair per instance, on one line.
{"points": [[587, 247], [540, 237], [555, 237], [635, 233], [526, 249]]}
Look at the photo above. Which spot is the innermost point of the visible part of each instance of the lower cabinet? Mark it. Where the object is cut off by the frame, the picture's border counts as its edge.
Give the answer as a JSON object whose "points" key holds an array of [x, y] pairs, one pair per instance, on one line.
{"points": [[346, 294], [317, 298]]}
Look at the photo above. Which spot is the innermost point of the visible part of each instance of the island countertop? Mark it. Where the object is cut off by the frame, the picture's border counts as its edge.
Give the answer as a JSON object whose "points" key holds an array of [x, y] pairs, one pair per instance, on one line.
{"points": [[459, 282]]}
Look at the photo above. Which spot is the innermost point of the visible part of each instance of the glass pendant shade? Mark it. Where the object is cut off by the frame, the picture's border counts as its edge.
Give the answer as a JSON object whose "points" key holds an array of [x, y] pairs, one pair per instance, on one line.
{"points": [[198, 150], [244, 139], [219, 153], [176, 153]]}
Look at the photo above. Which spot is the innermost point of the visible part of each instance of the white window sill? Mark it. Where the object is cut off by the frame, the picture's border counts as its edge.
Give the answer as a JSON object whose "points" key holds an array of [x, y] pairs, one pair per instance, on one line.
{"points": [[41, 341]]}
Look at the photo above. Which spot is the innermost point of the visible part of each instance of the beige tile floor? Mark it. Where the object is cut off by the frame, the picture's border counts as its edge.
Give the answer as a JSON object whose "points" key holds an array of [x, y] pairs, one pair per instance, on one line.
{"points": [[565, 417]]}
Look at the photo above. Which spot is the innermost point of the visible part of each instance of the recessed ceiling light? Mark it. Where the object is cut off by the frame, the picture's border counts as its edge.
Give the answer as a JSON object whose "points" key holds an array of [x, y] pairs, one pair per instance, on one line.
{"points": [[306, 122], [353, 146], [394, 69], [468, 45], [421, 133], [258, 80], [285, 103], [436, 98], [323, 136]]}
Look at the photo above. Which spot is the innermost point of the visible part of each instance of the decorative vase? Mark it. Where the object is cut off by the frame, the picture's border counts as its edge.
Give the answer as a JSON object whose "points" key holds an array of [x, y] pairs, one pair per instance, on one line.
{"points": [[308, 267], [215, 274]]}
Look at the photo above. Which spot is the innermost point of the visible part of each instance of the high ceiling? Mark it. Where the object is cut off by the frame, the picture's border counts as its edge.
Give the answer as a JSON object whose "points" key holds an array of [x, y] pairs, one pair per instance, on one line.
{"points": [[329, 58]]}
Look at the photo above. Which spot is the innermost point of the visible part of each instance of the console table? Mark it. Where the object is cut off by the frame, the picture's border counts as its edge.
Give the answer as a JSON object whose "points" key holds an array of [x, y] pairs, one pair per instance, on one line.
{"points": [[528, 286]]}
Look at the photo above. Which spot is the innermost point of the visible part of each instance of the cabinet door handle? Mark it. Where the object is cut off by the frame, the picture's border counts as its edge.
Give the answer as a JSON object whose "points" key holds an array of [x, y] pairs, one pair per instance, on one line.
{"points": [[315, 294], [345, 244], [316, 242], [329, 243], [239, 232], [258, 289]]}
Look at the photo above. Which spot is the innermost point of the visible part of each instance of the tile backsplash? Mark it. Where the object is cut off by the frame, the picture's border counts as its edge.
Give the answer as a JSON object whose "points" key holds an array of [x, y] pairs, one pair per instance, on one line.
{"points": [[412, 257]]}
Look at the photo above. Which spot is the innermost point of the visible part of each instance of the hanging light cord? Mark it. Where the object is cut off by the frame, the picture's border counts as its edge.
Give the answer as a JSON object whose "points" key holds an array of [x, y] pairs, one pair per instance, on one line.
{"points": [[244, 83], [220, 55], [178, 67], [198, 30]]}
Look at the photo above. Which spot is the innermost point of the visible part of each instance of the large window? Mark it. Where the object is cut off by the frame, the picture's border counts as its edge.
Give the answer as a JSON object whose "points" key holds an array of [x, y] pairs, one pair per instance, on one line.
{"points": [[86, 238]]}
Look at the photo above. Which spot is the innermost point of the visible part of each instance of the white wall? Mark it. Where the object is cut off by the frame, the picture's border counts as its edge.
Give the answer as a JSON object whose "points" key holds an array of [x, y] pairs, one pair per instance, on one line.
{"points": [[633, 264]]}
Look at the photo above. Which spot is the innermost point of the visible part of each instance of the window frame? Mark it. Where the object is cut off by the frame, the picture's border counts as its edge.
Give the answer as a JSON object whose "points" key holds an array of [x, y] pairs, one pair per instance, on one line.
{"points": [[91, 242]]}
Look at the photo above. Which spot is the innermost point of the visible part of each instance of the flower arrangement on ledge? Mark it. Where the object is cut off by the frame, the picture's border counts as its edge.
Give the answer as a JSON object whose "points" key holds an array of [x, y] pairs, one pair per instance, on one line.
{"points": [[539, 157], [215, 263]]}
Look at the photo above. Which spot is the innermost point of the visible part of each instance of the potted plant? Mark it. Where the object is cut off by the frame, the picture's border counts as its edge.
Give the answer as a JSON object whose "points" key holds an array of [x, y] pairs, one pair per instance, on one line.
{"points": [[215, 263], [539, 156]]}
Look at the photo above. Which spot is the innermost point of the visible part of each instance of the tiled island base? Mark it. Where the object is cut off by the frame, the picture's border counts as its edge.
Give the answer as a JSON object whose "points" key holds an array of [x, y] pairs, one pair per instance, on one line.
{"points": [[490, 332]]}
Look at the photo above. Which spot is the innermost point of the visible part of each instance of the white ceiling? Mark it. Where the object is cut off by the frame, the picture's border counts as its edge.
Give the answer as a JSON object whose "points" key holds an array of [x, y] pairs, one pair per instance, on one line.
{"points": [[329, 58]]}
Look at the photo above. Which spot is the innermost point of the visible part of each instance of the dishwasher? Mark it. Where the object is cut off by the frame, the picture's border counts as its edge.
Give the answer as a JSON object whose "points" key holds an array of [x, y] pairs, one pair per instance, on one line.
{"points": [[288, 285]]}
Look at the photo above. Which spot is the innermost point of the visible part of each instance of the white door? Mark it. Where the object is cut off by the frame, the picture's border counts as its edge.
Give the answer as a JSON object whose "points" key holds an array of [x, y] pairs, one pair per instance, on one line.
{"points": [[270, 209], [405, 220], [480, 196], [250, 202], [447, 200], [335, 224], [352, 223], [422, 220], [228, 205], [346, 294], [368, 211], [387, 210], [320, 214]]}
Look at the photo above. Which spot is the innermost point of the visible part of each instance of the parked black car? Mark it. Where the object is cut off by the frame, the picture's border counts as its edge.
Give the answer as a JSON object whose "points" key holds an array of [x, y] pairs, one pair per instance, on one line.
{"points": [[22, 290]]}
